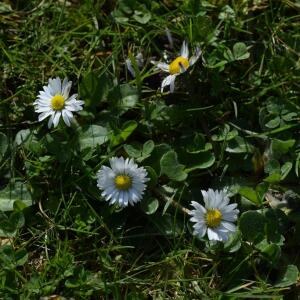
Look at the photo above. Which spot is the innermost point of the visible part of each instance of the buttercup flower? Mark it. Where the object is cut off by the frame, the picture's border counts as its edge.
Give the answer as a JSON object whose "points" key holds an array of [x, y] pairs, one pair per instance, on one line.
{"points": [[216, 218], [177, 66], [123, 183], [54, 101]]}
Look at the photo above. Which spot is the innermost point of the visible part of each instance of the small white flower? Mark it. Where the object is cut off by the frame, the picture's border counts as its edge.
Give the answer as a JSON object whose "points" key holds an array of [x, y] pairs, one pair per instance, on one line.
{"points": [[123, 183], [216, 218], [177, 66], [54, 101], [139, 62]]}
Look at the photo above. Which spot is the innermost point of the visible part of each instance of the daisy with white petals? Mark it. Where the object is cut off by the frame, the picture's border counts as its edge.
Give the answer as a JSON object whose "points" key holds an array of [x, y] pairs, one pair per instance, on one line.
{"points": [[123, 183], [178, 65], [216, 218], [54, 101]]}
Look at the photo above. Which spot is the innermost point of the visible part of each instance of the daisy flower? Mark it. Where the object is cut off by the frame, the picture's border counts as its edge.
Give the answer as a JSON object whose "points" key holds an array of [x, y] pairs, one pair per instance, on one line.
{"points": [[123, 183], [216, 218], [54, 101], [177, 66]]}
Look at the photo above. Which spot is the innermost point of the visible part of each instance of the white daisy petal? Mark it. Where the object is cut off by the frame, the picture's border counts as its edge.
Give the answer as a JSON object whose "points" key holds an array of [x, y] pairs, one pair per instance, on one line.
{"points": [[54, 101], [123, 182], [200, 231], [44, 115], [229, 226], [163, 66], [172, 84], [56, 118], [51, 120], [193, 59], [184, 52], [213, 235], [66, 117], [130, 67], [217, 216], [168, 81]]}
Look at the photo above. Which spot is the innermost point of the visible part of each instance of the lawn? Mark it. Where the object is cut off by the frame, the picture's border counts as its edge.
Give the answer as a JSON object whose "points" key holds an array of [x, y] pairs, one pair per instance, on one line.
{"points": [[149, 149]]}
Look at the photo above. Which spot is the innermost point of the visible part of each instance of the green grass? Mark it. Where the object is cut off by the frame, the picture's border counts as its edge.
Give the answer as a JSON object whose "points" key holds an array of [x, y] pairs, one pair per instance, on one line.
{"points": [[232, 121]]}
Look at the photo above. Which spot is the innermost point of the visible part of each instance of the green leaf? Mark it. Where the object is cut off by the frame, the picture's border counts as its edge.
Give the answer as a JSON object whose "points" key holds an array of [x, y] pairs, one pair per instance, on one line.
{"points": [[133, 150], [196, 143], [29, 141], [270, 250], [171, 167], [92, 136], [148, 148], [240, 51], [142, 15], [234, 242], [272, 166], [225, 134], [250, 194], [252, 225], [138, 151], [279, 147], [202, 160], [152, 176], [273, 123], [288, 277], [9, 225], [122, 134], [154, 159], [3, 145], [10, 258], [273, 178], [239, 145], [261, 190], [129, 96], [12, 193], [94, 88], [149, 205], [285, 169]]}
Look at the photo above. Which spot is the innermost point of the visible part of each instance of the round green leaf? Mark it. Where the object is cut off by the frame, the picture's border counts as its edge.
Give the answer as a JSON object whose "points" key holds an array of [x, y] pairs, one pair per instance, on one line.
{"points": [[12, 193], [150, 205], [92, 136], [171, 167], [252, 225], [288, 277]]}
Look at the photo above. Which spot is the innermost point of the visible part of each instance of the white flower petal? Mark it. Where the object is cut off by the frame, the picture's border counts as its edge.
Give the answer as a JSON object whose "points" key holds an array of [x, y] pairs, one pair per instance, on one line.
{"points": [[213, 235], [119, 166], [163, 66], [168, 81], [200, 231], [130, 67], [184, 52], [220, 228], [195, 57], [43, 103], [51, 120], [56, 118], [66, 117], [229, 226]]}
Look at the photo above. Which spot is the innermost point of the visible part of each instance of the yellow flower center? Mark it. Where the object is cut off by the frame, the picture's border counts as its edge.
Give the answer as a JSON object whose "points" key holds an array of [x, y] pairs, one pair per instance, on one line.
{"points": [[58, 102], [213, 218], [178, 64], [123, 182]]}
